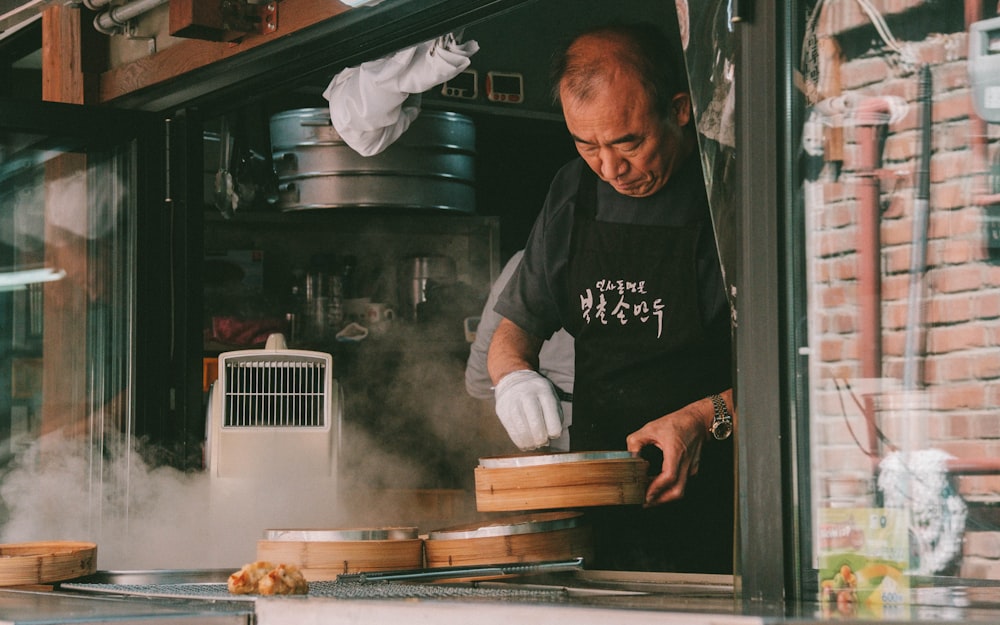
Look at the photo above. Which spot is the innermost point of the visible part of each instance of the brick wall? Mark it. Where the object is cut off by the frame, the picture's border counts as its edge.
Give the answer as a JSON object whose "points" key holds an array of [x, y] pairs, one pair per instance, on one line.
{"points": [[956, 404]]}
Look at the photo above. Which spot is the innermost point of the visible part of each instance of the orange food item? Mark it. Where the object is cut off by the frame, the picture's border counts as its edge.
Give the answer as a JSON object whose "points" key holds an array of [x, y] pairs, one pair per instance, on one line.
{"points": [[285, 579], [268, 579]]}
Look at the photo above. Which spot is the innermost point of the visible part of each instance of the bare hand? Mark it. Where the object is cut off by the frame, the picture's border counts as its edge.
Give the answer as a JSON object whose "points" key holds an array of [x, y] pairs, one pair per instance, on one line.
{"points": [[679, 435]]}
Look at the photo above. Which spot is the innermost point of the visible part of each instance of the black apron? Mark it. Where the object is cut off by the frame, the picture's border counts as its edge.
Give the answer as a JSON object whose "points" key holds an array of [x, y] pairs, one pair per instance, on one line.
{"points": [[643, 351]]}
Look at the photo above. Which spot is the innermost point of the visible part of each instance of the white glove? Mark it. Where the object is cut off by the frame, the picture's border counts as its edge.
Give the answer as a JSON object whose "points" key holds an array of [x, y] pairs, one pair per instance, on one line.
{"points": [[529, 409]]}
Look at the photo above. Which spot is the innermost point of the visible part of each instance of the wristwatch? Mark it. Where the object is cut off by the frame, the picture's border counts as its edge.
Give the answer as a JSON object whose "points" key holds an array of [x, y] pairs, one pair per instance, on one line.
{"points": [[722, 423]]}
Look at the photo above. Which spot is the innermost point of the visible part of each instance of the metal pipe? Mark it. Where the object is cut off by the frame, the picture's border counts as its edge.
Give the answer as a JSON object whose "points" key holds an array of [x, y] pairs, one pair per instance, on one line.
{"points": [[872, 115], [918, 257], [96, 5], [974, 466], [113, 20]]}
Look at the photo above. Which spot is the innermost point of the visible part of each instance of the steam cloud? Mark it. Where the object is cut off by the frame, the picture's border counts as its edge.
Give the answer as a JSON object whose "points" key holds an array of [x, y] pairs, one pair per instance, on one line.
{"points": [[158, 517], [161, 517]]}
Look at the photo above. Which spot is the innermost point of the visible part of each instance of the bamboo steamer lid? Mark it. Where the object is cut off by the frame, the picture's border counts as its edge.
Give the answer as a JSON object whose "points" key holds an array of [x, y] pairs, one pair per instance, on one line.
{"points": [[45, 562], [560, 480], [539, 536], [325, 554]]}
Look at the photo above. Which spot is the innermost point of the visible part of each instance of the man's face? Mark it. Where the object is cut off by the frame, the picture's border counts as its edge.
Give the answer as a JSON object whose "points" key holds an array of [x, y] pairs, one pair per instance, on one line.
{"points": [[621, 137]]}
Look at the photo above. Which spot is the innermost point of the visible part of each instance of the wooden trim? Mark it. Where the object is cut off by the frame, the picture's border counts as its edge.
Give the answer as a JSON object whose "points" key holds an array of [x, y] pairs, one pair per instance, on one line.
{"points": [[193, 54]]}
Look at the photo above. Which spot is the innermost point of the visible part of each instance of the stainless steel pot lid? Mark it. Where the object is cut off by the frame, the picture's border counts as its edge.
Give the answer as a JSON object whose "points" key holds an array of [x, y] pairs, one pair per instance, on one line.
{"points": [[537, 459], [522, 524], [333, 535]]}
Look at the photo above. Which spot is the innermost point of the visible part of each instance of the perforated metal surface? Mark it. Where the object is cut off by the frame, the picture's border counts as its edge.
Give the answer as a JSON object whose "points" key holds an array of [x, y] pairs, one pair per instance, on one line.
{"points": [[330, 589]]}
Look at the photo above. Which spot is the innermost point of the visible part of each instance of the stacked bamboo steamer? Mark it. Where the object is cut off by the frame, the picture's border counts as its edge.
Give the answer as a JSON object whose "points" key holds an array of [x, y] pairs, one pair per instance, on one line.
{"points": [[45, 562], [546, 481], [547, 489], [532, 537], [325, 554]]}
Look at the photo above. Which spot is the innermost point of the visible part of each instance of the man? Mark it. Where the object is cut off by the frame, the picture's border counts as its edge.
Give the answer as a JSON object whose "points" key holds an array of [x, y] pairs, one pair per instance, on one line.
{"points": [[555, 358], [623, 256]]}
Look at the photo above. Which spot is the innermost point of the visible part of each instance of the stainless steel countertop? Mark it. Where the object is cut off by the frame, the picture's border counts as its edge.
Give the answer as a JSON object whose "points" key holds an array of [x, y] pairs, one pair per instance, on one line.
{"points": [[581, 597], [26, 607]]}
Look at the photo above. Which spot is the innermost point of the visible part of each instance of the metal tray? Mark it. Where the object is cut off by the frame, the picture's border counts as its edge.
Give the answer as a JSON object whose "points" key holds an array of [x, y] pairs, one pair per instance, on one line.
{"points": [[511, 526], [156, 577], [346, 534], [538, 459]]}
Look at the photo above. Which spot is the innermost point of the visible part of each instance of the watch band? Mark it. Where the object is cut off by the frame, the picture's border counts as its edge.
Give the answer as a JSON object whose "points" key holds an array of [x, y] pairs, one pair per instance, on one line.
{"points": [[722, 422]]}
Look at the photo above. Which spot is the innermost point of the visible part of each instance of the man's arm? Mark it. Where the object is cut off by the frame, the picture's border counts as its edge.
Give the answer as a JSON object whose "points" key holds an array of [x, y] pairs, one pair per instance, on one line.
{"points": [[526, 401], [680, 436], [512, 349], [477, 376]]}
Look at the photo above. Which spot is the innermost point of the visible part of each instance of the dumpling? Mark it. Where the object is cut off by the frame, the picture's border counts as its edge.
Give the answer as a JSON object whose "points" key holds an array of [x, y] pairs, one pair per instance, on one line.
{"points": [[285, 579], [246, 580]]}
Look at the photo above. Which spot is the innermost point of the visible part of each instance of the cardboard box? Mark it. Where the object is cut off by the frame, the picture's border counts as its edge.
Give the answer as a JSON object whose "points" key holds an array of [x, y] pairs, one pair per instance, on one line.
{"points": [[863, 559]]}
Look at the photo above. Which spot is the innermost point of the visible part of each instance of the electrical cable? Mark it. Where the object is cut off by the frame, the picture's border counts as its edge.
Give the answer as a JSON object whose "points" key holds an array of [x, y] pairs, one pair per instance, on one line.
{"points": [[843, 411]]}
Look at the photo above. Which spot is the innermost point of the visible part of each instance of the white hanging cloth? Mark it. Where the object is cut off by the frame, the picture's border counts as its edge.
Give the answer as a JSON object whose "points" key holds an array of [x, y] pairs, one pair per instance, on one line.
{"points": [[372, 104]]}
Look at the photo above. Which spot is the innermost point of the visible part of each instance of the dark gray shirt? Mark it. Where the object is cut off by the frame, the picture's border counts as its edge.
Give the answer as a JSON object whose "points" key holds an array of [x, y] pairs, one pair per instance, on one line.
{"points": [[531, 298]]}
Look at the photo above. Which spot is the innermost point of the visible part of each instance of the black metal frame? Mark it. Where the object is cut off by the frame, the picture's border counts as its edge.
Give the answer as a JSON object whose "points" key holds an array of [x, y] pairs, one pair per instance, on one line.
{"points": [[325, 48], [98, 126], [765, 457]]}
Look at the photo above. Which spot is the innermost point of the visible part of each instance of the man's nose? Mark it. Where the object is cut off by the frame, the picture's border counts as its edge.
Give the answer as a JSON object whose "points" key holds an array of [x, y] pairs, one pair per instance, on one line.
{"points": [[612, 165]]}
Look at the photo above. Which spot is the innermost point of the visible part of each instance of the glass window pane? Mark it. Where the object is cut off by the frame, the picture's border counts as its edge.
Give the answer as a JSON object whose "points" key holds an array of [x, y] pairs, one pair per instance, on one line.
{"points": [[896, 199], [67, 258], [708, 38]]}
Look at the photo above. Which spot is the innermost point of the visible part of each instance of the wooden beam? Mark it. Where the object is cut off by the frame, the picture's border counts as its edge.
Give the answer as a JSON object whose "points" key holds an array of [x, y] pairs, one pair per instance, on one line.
{"points": [[191, 54], [73, 55]]}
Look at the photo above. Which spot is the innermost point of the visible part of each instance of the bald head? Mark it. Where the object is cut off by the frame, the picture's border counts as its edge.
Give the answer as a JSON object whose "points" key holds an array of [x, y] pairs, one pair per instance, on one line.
{"points": [[599, 57]]}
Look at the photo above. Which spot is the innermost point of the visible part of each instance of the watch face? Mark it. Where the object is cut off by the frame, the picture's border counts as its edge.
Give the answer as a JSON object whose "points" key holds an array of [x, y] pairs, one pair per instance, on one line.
{"points": [[722, 429]]}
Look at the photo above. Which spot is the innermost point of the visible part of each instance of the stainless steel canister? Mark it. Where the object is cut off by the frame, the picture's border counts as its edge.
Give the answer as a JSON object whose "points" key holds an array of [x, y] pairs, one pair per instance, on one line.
{"points": [[431, 165], [415, 274]]}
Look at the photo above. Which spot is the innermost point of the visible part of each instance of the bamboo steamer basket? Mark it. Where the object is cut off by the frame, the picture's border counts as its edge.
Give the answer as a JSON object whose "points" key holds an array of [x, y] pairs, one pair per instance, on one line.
{"points": [[325, 554], [560, 480], [45, 562], [534, 537]]}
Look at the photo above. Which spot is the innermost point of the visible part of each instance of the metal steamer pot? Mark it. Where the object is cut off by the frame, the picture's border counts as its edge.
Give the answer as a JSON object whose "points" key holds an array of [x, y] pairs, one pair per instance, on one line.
{"points": [[431, 165]]}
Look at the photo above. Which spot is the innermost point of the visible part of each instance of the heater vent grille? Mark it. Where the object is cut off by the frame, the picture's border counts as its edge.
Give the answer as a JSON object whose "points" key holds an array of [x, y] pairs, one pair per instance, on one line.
{"points": [[276, 391]]}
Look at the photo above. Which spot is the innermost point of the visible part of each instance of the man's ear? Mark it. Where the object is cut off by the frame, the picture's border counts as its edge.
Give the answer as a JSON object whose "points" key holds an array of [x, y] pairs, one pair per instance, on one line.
{"points": [[681, 103]]}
